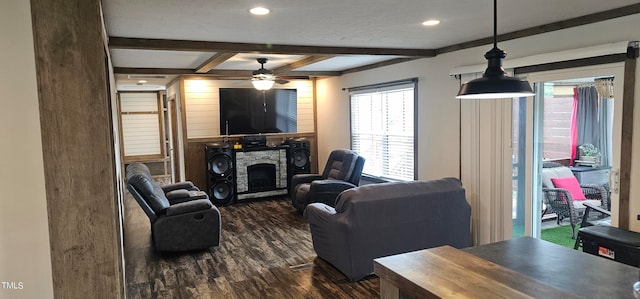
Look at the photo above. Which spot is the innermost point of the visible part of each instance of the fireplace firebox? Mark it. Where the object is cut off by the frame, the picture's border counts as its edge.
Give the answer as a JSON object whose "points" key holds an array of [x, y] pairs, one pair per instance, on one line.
{"points": [[261, 177]]}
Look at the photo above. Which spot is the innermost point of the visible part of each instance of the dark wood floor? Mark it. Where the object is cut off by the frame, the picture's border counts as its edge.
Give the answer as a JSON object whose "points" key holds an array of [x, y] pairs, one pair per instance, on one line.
{"points": [[265, 252]]}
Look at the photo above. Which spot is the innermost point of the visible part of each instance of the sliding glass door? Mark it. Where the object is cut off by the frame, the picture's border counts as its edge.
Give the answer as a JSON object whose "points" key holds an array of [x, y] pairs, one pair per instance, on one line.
{"points": [[542, 132]]}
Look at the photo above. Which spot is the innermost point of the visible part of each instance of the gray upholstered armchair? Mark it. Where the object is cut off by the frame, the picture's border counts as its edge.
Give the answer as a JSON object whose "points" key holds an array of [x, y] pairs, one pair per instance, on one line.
{"points": [[342, 171], [186, 223]]}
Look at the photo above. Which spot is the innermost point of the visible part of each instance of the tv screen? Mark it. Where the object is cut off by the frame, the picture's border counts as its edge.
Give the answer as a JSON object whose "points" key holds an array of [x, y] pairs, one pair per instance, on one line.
{"points": [[251, 111]]}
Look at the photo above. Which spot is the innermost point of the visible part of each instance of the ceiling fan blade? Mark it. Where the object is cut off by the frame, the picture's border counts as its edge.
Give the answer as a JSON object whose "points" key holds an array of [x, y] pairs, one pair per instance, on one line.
{"points": [[266, 74], [263, 76]]}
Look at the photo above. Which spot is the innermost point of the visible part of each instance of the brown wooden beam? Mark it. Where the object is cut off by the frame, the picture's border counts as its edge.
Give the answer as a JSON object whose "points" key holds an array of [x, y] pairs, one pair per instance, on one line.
{"points": [[301, 63], [230, 73], [376, 65], [214, 61], [626, 140], [152, 71], [578, 21], [206, 76], [206, 46], [81, 163], [605, 59]]}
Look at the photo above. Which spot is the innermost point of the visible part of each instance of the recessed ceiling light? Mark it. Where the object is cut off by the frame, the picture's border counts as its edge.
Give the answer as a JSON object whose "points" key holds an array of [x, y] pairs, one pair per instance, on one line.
{"points": [[142, 81], [431, 22], [260, 11]]}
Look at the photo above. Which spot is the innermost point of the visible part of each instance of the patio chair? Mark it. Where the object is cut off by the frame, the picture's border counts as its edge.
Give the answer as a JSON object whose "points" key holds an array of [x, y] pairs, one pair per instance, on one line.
{"points": [[565, 197], [603, 218]]}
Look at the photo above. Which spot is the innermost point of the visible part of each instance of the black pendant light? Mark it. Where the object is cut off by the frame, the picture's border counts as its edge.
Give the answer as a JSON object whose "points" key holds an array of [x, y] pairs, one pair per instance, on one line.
{"points": [[494, 84]]}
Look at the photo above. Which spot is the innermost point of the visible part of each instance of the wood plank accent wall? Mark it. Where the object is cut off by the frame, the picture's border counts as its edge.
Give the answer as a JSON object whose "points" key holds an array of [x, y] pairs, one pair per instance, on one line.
{"points": [[202, 108], [202, 105], [79, 156], [306, 108]]}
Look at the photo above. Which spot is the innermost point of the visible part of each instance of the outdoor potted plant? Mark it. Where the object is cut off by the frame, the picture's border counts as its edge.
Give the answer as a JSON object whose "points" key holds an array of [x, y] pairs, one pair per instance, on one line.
{"points": [[589, 153]]}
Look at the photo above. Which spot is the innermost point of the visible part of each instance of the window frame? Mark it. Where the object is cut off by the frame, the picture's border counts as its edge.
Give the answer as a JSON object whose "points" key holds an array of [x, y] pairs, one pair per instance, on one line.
{"points": [[157, 113], [384, 87]]}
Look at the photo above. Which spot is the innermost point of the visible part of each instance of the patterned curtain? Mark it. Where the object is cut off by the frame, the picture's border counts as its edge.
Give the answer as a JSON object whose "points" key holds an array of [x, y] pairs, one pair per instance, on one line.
{"points": [[604, 87]]}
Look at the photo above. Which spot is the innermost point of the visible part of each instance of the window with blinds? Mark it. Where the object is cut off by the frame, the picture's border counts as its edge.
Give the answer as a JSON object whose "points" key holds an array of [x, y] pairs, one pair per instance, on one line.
{"points": [[383, 129], [141, 125]]}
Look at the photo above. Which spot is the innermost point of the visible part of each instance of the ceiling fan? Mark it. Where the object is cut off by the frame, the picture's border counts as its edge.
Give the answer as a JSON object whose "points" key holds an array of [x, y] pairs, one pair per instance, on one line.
{"points": [[263, 79]]}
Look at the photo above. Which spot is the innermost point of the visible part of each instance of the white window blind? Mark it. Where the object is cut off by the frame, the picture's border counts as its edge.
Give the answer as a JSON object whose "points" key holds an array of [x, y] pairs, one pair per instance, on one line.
{"points": [[382, 130], [140, 120]]}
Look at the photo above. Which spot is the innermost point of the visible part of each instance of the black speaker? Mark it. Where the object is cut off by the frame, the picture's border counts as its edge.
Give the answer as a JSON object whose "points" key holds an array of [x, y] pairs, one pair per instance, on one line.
{"points": [[220, 173], [298, 158]]}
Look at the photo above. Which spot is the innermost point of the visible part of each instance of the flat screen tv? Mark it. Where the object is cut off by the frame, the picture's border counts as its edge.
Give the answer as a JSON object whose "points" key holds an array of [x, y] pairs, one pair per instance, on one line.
{"points": [[251, 111]]}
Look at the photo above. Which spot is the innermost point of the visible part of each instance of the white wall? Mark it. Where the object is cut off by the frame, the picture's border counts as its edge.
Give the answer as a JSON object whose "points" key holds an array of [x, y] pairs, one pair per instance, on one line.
{"points": [[438, 123], [438, 116], [25, 257]]}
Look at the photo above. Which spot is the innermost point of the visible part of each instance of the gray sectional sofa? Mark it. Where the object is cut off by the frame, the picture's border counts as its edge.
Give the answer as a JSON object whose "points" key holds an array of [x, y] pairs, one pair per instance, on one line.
{"points": [[378, 220]]}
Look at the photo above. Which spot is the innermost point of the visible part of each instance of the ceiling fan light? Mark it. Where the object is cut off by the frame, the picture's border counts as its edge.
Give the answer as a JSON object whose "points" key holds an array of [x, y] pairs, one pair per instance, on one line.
{"points": [[259, 11], [431, 22], [262, 84]]}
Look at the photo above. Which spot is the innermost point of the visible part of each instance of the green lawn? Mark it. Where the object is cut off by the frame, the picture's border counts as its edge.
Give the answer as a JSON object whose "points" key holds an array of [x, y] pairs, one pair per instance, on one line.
{"points": [[560, 235]]}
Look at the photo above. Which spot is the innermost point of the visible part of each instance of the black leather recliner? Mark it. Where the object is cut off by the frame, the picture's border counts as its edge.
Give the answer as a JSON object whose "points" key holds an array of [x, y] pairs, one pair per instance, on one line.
{"points": [[342, 171], [187, 221], [174, 192]]}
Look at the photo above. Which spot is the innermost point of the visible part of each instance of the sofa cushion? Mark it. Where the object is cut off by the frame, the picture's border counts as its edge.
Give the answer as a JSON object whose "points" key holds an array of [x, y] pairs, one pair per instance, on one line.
{"points": [[578, 204], [385, 191], [555, 172]]}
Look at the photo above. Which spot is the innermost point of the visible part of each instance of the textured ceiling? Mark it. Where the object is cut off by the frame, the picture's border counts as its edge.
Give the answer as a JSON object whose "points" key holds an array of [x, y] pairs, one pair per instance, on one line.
{"points": [[328, 23]]}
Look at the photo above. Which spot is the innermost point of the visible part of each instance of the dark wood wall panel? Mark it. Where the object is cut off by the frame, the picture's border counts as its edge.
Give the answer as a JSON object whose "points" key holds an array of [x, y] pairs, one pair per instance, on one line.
{"points": [[628, 100], [79, 155]]}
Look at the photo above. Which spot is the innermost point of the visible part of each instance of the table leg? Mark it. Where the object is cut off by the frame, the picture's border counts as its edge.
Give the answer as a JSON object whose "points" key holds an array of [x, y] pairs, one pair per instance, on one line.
{"points": [[388, 290]]}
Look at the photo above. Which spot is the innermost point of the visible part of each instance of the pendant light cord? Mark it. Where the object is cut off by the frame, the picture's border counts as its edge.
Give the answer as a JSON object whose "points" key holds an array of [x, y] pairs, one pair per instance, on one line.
{"points": [[494, 83], [495, 23]]}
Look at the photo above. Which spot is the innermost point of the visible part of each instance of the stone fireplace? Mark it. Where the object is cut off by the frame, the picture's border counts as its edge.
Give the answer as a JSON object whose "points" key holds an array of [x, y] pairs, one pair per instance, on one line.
{"points": [[261, 173]]}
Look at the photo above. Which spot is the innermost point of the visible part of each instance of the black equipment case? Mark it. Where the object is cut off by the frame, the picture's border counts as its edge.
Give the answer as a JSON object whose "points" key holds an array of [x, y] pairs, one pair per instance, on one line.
{"points": [[611, 242]]}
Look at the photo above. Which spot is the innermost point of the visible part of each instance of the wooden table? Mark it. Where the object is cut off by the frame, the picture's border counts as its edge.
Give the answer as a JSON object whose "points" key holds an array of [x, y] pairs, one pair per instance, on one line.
{"points": [[520, 268]]}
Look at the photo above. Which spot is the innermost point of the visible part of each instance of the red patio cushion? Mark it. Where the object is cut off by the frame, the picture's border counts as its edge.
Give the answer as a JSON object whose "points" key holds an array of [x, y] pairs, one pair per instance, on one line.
{"points": [[570, 184]]}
